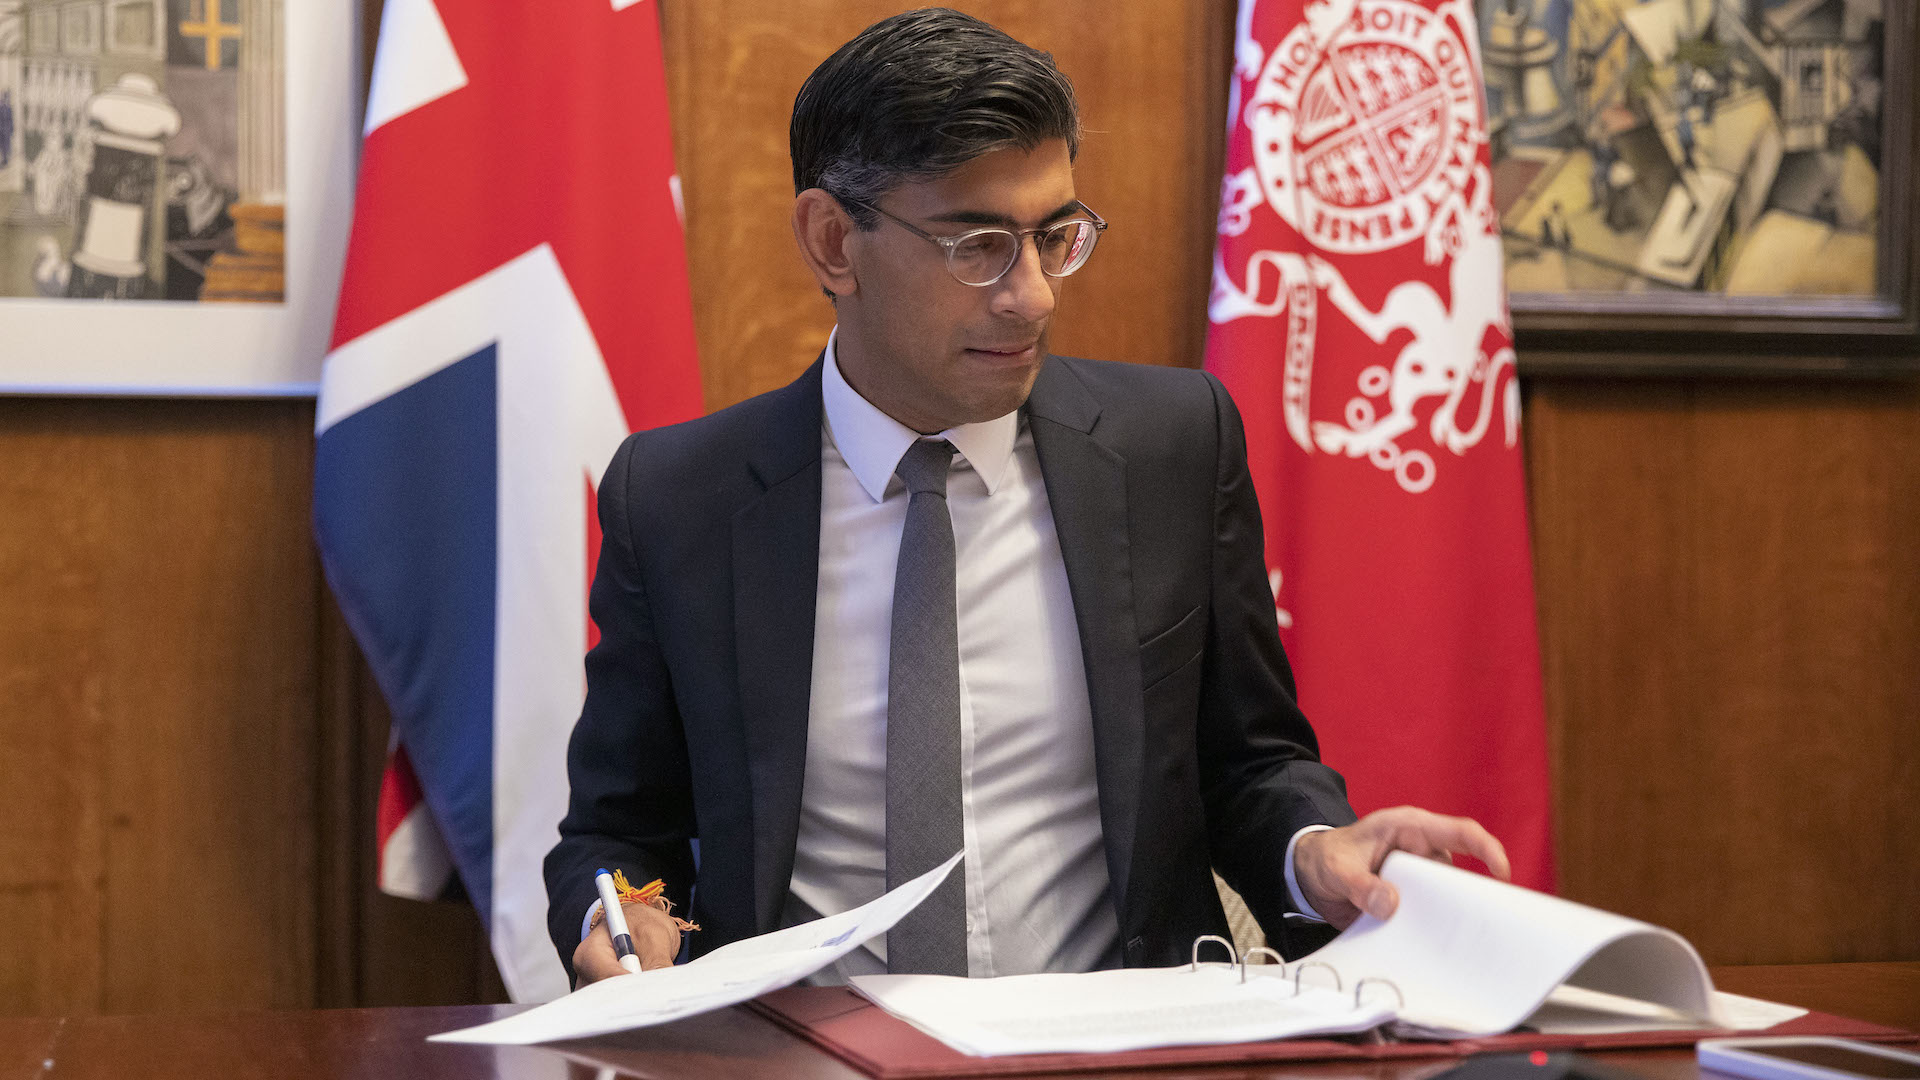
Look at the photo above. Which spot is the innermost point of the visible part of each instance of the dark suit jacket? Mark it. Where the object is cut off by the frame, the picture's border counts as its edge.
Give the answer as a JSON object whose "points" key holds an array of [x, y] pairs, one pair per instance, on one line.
{"points": [[695, 722]]}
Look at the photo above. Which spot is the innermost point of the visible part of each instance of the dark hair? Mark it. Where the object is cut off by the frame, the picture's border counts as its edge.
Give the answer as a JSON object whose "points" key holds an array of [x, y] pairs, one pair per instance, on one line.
{"points": [[916, 96]]}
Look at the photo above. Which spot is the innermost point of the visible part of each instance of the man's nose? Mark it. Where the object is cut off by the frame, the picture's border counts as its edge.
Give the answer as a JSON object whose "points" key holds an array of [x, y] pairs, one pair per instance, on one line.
{"points": [[1025, 290]]}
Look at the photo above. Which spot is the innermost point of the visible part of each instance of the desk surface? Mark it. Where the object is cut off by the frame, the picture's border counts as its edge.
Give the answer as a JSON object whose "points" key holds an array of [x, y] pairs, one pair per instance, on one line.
{"points": [[369, 1044]]}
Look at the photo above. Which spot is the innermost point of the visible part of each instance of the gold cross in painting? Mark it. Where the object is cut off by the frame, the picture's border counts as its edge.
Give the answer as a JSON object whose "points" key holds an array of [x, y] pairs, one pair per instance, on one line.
{"points": [[209, 29]]}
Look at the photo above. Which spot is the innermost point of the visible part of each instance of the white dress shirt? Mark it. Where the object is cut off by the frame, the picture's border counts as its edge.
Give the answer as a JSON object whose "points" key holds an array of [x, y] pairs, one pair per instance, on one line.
{"points": [[1036, 872]]}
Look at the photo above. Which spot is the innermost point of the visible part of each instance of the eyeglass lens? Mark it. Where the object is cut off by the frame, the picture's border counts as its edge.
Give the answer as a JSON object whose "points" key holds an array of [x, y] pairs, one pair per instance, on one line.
{"points": [[982, 258]]}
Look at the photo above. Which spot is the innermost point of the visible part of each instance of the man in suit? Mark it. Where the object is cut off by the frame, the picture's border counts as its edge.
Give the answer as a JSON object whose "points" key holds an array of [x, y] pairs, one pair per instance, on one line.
{"points": [[946, 589]]}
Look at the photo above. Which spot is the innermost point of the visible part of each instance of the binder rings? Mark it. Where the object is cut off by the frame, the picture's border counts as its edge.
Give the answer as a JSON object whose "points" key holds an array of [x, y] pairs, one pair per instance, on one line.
{"points": [[856, 1031]]}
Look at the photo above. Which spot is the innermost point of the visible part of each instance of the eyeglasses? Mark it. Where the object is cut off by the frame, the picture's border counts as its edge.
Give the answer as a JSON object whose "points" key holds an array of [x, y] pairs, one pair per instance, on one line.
{"points": [[981, 257]]}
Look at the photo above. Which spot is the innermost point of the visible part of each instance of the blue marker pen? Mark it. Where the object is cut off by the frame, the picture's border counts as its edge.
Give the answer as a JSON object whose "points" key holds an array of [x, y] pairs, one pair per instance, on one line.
{"points": [[616, 921]]}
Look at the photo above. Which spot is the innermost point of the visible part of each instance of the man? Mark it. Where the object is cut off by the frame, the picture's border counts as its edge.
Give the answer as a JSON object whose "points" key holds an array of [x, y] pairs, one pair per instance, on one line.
{"points": [[947, 590]]}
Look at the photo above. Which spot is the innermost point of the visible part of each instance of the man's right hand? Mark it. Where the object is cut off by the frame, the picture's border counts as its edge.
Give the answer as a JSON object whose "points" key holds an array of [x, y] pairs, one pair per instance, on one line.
{"points": [[656, 940]]}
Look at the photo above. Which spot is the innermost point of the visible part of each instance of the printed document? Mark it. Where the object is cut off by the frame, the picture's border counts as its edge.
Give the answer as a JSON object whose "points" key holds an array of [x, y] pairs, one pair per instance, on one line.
{"points": [[726, 976]]}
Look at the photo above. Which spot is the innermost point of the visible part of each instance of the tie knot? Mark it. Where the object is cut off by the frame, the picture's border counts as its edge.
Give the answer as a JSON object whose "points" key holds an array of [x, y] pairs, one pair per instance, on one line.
{"points": [[924, 466]]}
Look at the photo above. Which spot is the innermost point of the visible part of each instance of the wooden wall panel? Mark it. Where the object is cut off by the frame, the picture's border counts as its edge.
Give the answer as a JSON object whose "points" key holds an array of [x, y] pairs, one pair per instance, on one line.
{"points": [[1730, 602], [157, 589]]}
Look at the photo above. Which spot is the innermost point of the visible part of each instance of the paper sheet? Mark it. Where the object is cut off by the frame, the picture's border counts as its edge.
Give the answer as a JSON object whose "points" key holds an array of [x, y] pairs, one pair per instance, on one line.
{"points": [[1127, 1009], [1571, 1010], [1743, 1013], [1476, 956], [726, 976]]}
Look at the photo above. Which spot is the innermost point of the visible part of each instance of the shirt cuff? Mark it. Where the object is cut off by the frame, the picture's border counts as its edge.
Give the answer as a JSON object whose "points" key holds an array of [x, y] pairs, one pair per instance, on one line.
{"points": [[586, 922], [1293, 882]]}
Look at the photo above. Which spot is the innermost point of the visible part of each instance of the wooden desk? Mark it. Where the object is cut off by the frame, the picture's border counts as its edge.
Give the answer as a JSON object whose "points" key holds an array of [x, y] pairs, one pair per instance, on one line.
{"points": [[372, 1044]]}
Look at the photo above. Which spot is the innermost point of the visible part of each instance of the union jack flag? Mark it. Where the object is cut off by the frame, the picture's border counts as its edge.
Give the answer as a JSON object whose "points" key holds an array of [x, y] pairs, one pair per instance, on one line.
{"points": [[515, 302]]}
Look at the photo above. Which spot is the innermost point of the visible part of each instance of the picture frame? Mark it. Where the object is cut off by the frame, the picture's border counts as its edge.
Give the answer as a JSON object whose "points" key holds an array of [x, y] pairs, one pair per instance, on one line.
{"points": [[1661, 330], [80, 28], [136, 27], [208, 347]]}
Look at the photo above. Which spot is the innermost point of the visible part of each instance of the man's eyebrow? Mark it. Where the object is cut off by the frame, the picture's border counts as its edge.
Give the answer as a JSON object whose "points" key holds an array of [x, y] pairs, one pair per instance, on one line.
{"points": [[981, 217]]}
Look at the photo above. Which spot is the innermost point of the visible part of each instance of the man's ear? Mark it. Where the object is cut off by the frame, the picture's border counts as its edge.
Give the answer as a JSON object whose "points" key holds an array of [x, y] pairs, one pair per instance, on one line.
{"points": [[822, 228]]}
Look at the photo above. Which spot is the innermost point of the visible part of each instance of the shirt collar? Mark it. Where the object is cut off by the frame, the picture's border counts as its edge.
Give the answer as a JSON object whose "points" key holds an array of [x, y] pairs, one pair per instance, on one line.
{"points": [[872, 442]]}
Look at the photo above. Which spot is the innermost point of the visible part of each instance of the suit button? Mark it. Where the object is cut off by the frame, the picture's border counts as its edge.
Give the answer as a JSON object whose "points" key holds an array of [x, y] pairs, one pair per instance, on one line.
{"points": [[1135, 946]]}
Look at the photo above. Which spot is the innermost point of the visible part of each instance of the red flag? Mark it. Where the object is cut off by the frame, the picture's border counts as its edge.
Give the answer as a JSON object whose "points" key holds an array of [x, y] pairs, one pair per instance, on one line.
{"points": [[1359, 317]]}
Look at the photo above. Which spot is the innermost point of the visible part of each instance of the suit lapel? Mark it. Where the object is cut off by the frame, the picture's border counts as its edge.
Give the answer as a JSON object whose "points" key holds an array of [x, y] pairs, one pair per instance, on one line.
{"points": [[1087, 488], [776, 568]]}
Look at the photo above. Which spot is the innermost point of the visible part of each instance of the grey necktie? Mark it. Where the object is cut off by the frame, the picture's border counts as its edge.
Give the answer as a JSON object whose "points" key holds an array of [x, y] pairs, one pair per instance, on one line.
{"points": [[923, 723]]}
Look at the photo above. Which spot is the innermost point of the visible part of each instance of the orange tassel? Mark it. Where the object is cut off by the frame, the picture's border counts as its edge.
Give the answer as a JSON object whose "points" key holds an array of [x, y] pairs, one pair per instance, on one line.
{"points": [[653, 894]]}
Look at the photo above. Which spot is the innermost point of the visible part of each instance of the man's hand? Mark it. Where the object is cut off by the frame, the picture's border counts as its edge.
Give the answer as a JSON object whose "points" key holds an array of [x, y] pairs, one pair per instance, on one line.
{"points": [[1338, 870], [656, 940]]}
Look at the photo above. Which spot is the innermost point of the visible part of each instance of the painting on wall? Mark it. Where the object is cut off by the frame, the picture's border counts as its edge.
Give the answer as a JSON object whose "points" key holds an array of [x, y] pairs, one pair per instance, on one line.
{"points": [[1705, 148], [174, 181]]}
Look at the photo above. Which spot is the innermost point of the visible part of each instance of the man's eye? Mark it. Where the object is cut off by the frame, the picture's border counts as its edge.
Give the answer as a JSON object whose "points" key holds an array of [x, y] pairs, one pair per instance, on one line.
{"points": [[979, 247]]}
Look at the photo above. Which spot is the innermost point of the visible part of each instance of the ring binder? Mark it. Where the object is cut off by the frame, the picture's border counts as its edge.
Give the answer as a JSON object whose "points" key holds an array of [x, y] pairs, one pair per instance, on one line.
{"points": [[1277, 958], [1465, 958], [1302, 970], [1236, 959], [1233, 957], [1389, 983]]}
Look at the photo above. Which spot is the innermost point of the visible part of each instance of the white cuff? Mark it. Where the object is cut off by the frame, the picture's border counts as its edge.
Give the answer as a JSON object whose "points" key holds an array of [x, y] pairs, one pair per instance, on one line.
{"points": [[1293, 882], [586, 924]]}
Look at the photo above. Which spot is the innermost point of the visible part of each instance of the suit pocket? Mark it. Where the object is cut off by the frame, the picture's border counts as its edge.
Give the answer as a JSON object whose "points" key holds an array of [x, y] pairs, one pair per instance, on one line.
{"points": [[1173, 648]]}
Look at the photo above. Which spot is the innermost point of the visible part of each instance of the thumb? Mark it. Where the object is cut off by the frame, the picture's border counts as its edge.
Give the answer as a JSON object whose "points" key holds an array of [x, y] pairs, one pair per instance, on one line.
{"points": [[1378, 898], [1352, 880]]}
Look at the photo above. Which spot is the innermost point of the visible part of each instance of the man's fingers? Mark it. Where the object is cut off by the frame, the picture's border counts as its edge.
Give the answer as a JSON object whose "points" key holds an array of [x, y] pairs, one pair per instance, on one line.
{"points": [[1373, 894], [1435, 836], [1422, 832], [1413, 841], [1365, 889], [656, 951], [1341, 868], [1468, 835], [594, 959], [1382, 901], [656, 941], [656, 938]]}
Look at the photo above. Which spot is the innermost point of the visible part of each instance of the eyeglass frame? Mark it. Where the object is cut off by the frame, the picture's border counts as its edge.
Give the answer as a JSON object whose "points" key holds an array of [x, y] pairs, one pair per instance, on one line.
{"points": [[949, 243]]}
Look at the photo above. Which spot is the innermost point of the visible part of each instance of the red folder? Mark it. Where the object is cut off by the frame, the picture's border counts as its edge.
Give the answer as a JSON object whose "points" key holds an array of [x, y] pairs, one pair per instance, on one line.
{"points": [[868, 1038]]}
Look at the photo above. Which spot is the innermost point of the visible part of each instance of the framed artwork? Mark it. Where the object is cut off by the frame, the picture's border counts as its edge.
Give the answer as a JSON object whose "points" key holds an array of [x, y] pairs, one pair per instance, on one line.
{"points": [[134, 28], [1729, 177], [80, 28], [174, 206]]}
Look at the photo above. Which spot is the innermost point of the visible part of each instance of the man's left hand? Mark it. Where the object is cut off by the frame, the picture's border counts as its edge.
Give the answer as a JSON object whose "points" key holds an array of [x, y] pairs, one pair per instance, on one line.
{"points": [[1338, 870]]}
